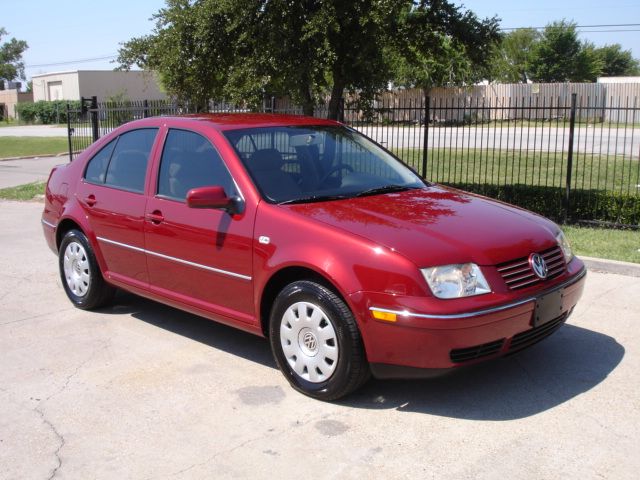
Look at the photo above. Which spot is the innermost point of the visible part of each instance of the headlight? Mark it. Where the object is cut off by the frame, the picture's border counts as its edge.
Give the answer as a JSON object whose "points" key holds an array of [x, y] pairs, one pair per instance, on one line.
{"points": [[564, 246], [455, 281]]}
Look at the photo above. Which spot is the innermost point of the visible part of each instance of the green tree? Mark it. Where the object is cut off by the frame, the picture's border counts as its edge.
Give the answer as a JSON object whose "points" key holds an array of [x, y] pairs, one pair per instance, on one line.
{"points": [[439, 44], [560, 57], [244, 49], [511, 58], [11, 64], [617, 62]]}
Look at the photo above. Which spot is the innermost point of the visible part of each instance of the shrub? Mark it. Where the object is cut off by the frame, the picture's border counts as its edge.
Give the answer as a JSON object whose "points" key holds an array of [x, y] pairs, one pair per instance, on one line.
{"points": [[45, 112], [596, 205]]}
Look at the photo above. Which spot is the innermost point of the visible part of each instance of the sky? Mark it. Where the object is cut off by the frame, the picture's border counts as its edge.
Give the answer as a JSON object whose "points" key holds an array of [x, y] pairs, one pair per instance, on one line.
{"points": [[62, 33]]}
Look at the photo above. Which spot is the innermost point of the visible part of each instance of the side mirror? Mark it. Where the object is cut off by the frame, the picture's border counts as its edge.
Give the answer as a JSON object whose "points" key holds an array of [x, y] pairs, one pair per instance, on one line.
{"points": [[213, 197]]}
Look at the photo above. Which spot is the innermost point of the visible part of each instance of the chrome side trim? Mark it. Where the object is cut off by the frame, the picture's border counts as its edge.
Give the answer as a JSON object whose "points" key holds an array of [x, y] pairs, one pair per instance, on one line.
{"points": [[406, 313], [177, 260], [48, 224], [197, 265], [123, 245]]}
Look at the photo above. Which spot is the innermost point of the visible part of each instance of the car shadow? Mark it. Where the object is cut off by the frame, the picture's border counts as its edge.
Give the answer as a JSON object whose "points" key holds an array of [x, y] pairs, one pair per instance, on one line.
{"points": [[200, 329], [570, 362]]}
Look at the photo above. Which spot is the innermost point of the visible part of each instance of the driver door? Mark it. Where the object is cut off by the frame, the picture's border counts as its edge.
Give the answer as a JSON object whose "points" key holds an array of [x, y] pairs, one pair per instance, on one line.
{"points": [[201, 257]]}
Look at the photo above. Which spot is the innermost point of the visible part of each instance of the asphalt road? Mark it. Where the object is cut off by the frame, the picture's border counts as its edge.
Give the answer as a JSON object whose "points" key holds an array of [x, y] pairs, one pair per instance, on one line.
{"points": [[144, 391], [34, 131], [588, 139], [27, 170]]}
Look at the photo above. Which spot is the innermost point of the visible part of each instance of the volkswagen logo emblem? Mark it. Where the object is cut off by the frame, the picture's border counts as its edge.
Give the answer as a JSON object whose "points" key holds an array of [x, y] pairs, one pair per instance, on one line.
{"points": [[538, 265], [310, 341]]}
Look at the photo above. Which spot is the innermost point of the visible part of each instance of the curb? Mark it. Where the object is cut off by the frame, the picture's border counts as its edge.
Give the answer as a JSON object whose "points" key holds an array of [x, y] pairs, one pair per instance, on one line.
{"points": [[611, 266], [33, 157]]}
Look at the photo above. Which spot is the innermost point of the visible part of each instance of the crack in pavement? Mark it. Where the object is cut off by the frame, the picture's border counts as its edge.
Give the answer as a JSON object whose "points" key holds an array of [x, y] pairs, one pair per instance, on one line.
{"points": [[47, 422], [60, 438], [251, 440], [35, 316]]}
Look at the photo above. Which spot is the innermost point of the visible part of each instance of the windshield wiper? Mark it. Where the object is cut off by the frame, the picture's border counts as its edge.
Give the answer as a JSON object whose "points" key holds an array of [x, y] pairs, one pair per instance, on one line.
{"points": [[385, 189], [314, 198]]}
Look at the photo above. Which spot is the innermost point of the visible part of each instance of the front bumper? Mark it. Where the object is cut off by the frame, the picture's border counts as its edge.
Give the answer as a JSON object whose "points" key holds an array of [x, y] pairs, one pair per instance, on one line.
{"points": [[420, 344]]}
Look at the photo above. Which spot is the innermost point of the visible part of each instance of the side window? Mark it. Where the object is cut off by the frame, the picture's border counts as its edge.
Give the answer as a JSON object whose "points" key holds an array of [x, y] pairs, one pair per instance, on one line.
{"points": [[128, 165], [97, 168], [190, 161]]}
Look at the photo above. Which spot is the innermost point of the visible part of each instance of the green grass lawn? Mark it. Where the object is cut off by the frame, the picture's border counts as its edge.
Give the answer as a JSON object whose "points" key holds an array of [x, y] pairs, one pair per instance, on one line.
{"points": [[23, 192], [511, 167], [621, 245], [27, 146]]}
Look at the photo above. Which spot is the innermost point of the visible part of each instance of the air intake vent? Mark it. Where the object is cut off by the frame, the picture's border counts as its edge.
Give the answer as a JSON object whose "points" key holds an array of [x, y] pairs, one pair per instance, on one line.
{"points": [[478, 351], [518, 273], [529, 337]]}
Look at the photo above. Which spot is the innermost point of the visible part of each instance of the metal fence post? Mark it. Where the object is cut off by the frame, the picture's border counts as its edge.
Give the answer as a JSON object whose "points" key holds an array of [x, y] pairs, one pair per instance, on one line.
{"points": [[69, 132], [145, 106], [425, 143], [572, 127], [94, 118]]}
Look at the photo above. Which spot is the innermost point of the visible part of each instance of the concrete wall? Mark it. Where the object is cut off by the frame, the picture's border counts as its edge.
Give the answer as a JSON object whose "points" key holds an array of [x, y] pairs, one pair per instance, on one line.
{"points": [[56, 86], [104, 84], [8, 101], [124, 85], [618, 79]]}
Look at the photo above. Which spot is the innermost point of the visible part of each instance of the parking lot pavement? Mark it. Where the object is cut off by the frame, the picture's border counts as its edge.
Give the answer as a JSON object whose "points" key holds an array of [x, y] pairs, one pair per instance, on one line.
{"points": [[140, 390]]}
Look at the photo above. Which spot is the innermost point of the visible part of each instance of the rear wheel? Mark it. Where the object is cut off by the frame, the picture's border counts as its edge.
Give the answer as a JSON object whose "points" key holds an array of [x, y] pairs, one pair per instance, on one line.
{"points": [[316, 342], [80, 274]]}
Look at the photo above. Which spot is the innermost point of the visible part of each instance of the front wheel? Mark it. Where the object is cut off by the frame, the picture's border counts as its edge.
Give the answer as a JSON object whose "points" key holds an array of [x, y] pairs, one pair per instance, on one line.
{"points": [[80, 273], [316, 342]]}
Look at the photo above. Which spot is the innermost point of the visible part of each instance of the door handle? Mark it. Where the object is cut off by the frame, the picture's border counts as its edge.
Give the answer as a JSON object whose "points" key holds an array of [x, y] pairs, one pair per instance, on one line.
{"points": [[90, 200], [155, 217]]}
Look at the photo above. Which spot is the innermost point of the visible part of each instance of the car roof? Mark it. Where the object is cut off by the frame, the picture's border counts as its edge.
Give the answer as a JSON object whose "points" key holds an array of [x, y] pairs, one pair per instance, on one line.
{"points": [[235, 121]]}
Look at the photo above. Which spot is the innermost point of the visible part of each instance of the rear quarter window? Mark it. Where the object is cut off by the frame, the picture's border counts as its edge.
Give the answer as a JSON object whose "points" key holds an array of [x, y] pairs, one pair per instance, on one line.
{"points": [[97, 168]]}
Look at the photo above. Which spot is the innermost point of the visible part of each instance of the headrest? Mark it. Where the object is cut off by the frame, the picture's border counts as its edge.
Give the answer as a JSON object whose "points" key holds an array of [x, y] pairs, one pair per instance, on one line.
{"points": [[265, 159]]}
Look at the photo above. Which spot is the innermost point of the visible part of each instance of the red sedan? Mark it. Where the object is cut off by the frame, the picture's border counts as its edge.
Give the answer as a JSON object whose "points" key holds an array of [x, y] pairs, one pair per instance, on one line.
{"points": [[306, 232]]}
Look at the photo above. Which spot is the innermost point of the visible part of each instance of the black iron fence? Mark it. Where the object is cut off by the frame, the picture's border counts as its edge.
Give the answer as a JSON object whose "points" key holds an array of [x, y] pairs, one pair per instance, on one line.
{"points": [[560, 157], [91, 120]]}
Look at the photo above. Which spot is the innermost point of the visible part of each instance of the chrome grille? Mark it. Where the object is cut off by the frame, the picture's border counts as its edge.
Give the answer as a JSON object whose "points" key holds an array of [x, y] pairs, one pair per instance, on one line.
{"points": [[518, 273]]}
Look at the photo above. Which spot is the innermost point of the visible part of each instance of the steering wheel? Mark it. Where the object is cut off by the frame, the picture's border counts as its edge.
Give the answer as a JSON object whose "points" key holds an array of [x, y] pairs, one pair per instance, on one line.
{"points": [[334, 169]]}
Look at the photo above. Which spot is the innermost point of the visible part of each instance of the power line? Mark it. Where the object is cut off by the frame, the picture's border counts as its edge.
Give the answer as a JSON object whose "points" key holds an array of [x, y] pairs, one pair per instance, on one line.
{"points": [[613, 25], [71, 62], [584, 26], [605, 31]]}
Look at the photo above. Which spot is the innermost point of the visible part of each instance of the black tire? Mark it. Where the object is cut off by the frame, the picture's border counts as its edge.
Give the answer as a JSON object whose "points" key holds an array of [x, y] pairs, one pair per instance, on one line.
{"points": [[85, 286], [351, 369]]}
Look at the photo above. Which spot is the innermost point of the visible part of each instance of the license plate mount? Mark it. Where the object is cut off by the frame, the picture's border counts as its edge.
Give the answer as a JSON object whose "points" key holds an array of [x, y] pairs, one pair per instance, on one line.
{"points": [[548, 307]]}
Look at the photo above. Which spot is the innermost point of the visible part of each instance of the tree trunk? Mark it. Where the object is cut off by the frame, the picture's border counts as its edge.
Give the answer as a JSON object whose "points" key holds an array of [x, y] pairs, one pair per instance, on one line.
{"points": [[336, 100], [308, 105]]}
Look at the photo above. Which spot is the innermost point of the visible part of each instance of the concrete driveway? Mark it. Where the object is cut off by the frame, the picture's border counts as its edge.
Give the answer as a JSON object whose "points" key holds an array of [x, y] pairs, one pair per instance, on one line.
{"points": [[142, 391]]}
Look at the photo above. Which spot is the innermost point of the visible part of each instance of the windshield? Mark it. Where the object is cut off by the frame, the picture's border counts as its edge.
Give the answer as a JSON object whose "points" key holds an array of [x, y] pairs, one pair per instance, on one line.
{"points": [[311, 164]]}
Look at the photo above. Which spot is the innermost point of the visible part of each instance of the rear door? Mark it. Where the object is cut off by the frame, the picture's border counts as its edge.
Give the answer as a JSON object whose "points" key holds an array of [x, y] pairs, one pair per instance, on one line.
{"points": [[202, 257], [112, 194]]}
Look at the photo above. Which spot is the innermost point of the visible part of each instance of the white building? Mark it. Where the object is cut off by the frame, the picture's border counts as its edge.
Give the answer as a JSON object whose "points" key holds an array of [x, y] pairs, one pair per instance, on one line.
{"points": [[105, 84]]}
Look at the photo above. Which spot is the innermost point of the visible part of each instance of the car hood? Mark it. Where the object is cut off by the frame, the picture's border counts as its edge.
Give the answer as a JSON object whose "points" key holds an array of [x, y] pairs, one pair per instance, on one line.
{"points": [[438, 225]]}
